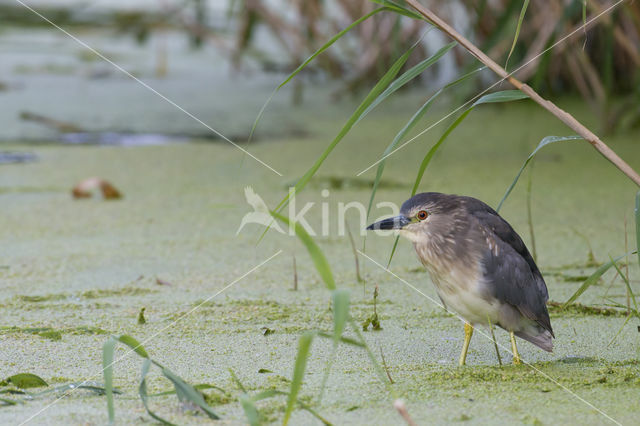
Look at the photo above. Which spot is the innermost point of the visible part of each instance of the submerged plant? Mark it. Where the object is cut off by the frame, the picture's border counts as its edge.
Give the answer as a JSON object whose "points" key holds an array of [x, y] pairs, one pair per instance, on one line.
{"points": [[373, 319]]}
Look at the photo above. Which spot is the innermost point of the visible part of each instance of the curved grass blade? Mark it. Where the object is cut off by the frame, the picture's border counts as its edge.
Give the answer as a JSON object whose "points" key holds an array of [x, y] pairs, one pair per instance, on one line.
{"points": [[593, 278], [186, 392], [7, 401], [503, 96], [133, 344], [304, 345], [340, 316], [382, 84], [544, 142], [107, 366], [237, 381], [201, 386], [142, 390], [347, 340], [412, 73], [317, 256], [397, 8], [407, 128], [311, 58], [525, 4]]}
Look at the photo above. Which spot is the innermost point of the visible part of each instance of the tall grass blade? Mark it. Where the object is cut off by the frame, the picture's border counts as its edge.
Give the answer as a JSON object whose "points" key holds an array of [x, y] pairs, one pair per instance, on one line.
{"points": [[355, 254], [532, 234], [544, 142], [250, 410], [427, 158], [525, 4], [626, 281], [503, 96], [584, 22], [637, 212], [237, 381], [393, 250], [593, 278], [382, 84], [317, 256], [304, 345], [400, 135], [107, 366], [340, 316], [107, 369], [311, 58], [415, 71], [620, 330], [407, 128], [340, 312], [379, 370]]}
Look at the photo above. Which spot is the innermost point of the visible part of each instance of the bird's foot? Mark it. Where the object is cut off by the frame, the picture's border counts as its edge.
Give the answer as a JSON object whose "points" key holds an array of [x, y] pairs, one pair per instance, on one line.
{"points": [[516, 356], [468, 332]]}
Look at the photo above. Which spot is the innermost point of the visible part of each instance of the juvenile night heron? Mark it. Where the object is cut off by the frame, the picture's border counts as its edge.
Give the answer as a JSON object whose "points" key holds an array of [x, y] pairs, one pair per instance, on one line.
{"points": [[480, 267]]}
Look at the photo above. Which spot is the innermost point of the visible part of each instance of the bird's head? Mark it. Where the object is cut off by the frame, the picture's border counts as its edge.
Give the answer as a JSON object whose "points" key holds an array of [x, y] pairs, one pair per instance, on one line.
{"points": [[422, 216]]}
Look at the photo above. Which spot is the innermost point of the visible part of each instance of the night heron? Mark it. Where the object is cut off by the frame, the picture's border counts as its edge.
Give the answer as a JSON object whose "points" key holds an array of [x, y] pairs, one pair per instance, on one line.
{"points": [[480, 267]]}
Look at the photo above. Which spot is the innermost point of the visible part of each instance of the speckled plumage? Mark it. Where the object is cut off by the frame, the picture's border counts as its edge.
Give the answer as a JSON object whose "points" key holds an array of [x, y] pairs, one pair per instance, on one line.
{"points": [[480, 266]]}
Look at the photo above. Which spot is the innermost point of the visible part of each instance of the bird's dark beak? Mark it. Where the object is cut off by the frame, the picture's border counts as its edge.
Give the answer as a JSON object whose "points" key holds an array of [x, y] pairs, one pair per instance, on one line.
{"points": [[397, 222]]}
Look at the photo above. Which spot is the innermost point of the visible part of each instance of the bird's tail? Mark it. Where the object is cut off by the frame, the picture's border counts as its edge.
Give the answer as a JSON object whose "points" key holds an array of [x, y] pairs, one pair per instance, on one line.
{"points": [[538, 336]]}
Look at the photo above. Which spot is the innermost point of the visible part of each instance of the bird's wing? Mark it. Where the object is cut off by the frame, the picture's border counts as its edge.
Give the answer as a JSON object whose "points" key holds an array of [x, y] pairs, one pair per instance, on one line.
{"points": [[510, 269]]}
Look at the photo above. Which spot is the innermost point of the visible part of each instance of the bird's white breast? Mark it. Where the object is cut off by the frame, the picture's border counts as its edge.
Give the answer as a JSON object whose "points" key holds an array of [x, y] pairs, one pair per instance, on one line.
{"points": [[465, 296], [461, 288]]}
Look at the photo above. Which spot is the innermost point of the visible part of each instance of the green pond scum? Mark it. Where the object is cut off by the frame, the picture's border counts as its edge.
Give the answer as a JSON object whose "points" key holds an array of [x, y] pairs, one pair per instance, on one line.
{"points": [[71, 282]]}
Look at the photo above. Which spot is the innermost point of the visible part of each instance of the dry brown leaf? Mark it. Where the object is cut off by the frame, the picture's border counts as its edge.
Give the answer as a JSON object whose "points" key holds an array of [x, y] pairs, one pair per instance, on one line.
{"points": [[85, 188]]}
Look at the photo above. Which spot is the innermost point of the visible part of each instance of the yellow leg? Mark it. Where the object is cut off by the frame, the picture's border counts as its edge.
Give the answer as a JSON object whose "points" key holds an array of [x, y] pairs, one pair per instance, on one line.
{"points": [[468, 331], [514, 349]]}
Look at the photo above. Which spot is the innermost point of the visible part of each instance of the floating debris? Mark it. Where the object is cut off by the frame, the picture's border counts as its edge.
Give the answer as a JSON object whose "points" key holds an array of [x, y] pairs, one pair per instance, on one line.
{"points": [[84, 189], [160, 281], [61, 126]]}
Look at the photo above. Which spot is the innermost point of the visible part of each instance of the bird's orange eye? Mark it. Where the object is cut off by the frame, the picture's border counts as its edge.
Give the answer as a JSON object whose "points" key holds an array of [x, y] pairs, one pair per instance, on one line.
{"points": [[422, 215]]}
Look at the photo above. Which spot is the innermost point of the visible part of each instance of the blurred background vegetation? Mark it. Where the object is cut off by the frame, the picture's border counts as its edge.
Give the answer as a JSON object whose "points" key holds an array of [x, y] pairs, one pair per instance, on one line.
{"points": [[599, 63]]}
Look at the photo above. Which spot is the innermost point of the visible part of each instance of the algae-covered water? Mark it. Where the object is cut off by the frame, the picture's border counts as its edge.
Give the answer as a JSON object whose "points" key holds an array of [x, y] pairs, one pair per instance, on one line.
{"points": [[73, 272]]}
